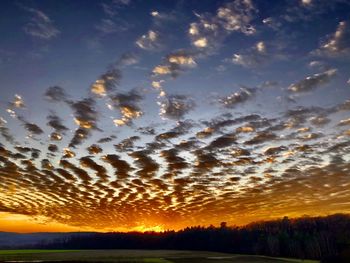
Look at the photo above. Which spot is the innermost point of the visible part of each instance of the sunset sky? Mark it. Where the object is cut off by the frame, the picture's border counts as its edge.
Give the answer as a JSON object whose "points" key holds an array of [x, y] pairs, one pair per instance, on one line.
{"points": [[142, 115]]}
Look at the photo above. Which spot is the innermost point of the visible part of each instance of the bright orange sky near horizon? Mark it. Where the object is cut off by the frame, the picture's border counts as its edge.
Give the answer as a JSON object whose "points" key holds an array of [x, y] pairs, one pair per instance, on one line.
{"points": [[132, 115]]}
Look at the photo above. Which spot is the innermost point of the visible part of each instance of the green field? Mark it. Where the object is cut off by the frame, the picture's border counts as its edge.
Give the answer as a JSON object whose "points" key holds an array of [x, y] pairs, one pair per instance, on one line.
{"points": [[134, 256]]}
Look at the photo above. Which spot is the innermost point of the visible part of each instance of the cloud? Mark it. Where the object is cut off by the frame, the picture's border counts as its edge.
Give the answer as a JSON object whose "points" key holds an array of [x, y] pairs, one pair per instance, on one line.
{"points": [[52, 148], [107, 139], [5, 132], [262, 137], [258, 55], [122, 168], [128, 59], [275, 150], [149, 41], [80, 135], [319, 121], [210, 30], [32, 128], [223, 141], [344, 122], [17, 102], [175, 163], [306, 2], [128, 105], [207, 132], [174, 64], [112, 8], [313, 82], [85, 114], [182, 57], [175, 106], [79, 172], [94, 149], [147, 166], [87, 162], [56, 123], [107, 82], [272, 23], [243, 95], [56, 94], [127, 144], [237, 15], [108, 26], [255, 56], [338, 43], [54, 136], [40, 25], [68, 153]]}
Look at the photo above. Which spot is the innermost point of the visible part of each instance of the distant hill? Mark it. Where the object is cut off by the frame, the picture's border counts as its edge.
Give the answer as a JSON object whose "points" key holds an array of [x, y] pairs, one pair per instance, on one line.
{"points": [[28, 240]]}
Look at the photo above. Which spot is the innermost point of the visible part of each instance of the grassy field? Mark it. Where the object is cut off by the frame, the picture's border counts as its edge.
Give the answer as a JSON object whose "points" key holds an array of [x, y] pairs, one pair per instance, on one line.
{"points": [[134, 256]]}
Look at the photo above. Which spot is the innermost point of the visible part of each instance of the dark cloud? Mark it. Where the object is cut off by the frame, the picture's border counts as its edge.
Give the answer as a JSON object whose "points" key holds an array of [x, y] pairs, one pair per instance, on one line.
{"points": [[56, 94], [55, 136], [313, 82], [147, 166], [80, 173], [56, 123], [175, 162], [237, 152], [94, 149], [32, 128], [223, 141], [127, 144], [80, 135], [100, 170], [243, 95], [85, 113], [176, 106], [128, 105], [5, 132], [85, 116], [147, 130], [107, 139], [275, 150], [122, 168], [262, 137], [107, 82]]}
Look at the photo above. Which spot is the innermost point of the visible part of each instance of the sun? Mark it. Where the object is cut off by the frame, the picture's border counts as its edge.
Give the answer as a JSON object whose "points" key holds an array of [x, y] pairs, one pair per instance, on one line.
{"points": [[148, 228]]}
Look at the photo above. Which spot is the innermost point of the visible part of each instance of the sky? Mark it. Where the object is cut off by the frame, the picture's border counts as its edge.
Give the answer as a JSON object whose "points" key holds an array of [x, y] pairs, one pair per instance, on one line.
{"points": [[128, 115]]}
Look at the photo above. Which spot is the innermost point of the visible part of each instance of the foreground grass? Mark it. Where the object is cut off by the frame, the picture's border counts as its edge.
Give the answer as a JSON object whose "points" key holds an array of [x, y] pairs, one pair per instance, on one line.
{"points": [[32, 251], [136, 256]]}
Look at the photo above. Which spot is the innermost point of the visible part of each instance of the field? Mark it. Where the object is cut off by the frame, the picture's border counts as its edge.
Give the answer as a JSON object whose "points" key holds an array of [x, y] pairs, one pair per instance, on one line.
{"points": [[134, 256]]}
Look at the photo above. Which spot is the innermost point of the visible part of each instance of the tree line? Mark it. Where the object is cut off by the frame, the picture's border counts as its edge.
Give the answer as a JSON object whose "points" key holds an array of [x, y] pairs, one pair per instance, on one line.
{"points": [[326, 238]]}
